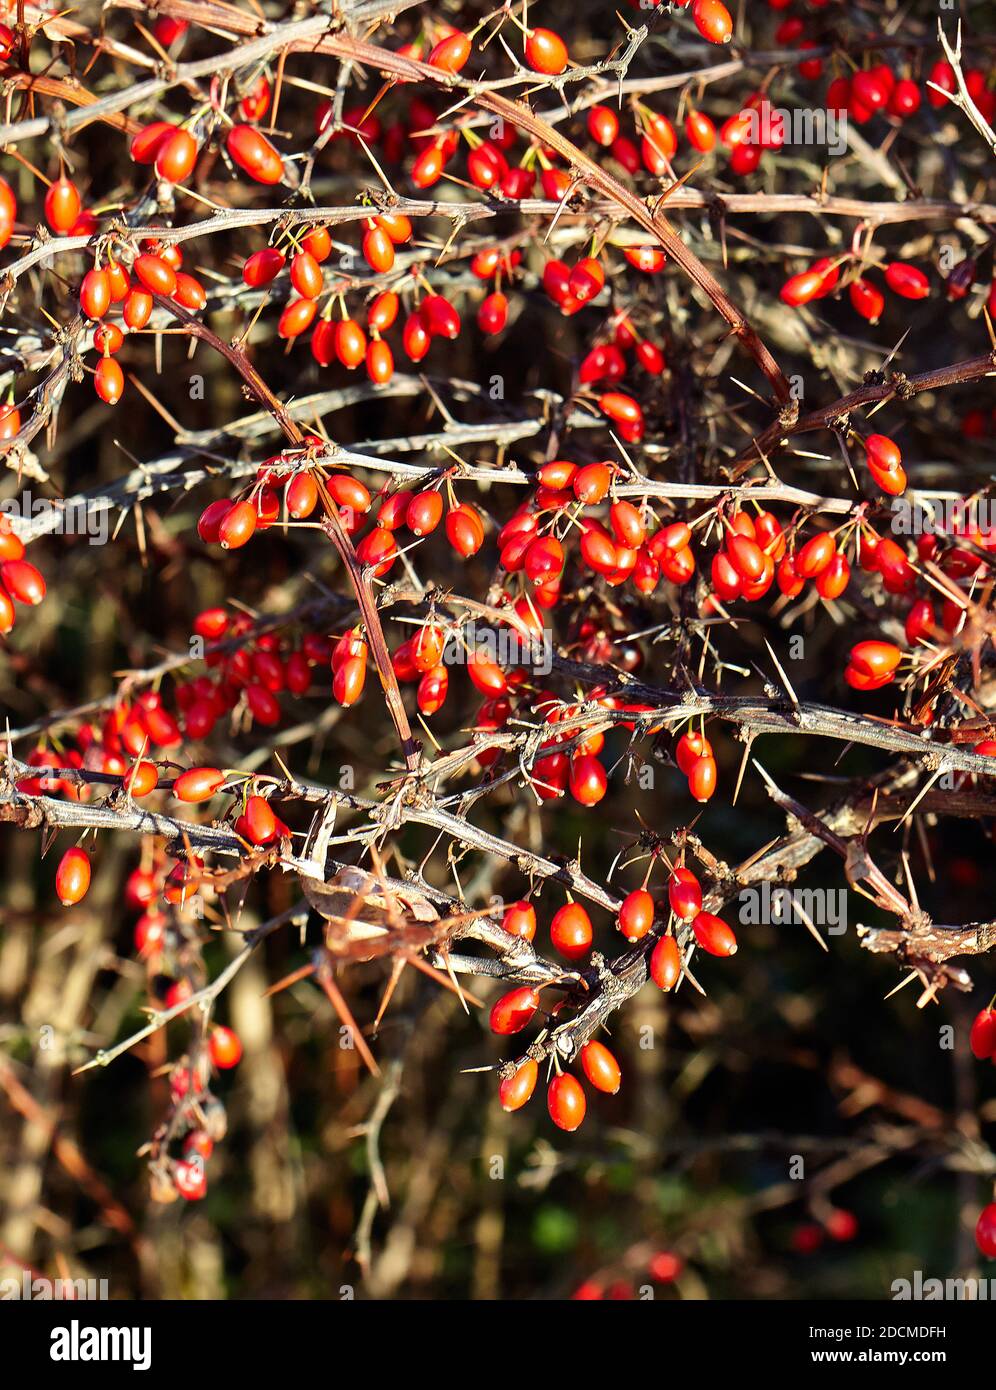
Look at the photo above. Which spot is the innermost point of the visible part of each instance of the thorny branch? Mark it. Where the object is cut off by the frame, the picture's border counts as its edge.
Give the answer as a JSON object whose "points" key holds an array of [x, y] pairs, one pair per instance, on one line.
{"points": [[417, 794]]}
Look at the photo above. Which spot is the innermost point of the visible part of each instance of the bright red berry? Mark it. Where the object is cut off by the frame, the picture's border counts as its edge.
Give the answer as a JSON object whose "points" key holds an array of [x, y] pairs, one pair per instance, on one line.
{"points": [[72, 878], [566, 1103]]}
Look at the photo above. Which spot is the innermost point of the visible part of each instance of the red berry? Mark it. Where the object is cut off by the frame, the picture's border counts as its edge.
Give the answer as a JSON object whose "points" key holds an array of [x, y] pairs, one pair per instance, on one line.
{"points": [[257, 822], [176, 156], [237, 526], [519, 919], [190, 1178], [440, 317], [906, 280], [866, 299], [832, 581], [905, 99], [665, 1267], [518, 1088], [941, 75], [263, 266], [514, 1011], [885, 464], [841, 1224], [636, 914], [689, 749], [348, 682], [108, 338], [486, 675], [432, 690], [141, 779], [383, 312], [380, 361], [712, 19], [137, 309], [601, 1068], [167, 30], [983, 1036], [62, 206], [588, 780], [10, 424], [701, 131], [985, 1231], [297, 317], [189, 292], [451, 53], [428, 167], [571, 931], [378, 248], [566, 1103], [587, 279], [464, 530], [350, 343], [493, 314], [306, 275], [23, 581], [301, 495], [815, 555], [801, 288], [713, 935], [108, 381], [872, 664], [146, 144], [225, 1047], [746, 556], [603, 125], [665, 963], [702, 779], [72, 878], [156, 274], [425, 511], [546, 52], [684, 894], [591, 483], [198, 784], [95, 294], [254, 154]]}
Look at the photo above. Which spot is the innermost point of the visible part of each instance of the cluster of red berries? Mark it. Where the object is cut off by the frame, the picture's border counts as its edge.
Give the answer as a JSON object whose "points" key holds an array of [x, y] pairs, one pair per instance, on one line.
{"points": [[285, 490], [824, 276], [982, 1041], [572, 936], [607, 362], [665, 1267], [172, 150], [535, 545], [839, 1224], [156, 271], [877, 91], [346, 341], [20, 580], [256, 823], [875, 663], [204, 1121]]}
